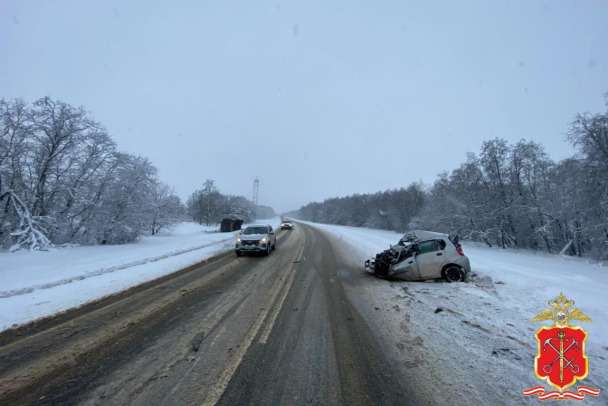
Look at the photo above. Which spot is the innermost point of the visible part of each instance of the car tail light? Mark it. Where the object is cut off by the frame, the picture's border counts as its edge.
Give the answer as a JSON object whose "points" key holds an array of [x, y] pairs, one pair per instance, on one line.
{"points": [[459, 250]]}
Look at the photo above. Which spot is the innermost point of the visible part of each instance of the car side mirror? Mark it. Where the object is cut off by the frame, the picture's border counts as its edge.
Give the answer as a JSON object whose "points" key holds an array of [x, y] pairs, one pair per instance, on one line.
{"points": [[272, 232]]}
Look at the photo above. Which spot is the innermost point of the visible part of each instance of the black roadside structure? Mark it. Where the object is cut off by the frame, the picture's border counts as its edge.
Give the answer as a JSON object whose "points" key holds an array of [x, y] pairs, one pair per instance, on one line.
{"points": [[230, 224]]}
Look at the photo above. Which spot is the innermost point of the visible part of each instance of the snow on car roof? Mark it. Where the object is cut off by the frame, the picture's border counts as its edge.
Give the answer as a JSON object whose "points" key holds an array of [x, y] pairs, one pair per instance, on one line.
{"points": [[428, 235]]}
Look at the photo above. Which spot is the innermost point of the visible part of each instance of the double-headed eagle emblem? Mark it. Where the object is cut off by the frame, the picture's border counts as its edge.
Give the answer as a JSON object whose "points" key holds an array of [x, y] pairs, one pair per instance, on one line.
{"points": [[561, 312]]}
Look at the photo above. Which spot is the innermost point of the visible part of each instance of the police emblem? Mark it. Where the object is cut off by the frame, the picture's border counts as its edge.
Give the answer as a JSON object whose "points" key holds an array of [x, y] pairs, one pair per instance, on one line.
{"points": [[561, 359]]}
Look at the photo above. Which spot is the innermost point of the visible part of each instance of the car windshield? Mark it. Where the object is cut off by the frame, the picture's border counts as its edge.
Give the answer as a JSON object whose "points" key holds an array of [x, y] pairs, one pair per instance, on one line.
{"points": [[256, 230]]}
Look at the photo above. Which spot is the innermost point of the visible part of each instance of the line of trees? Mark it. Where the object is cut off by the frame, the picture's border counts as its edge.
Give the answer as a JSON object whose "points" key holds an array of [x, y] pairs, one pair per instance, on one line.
{"points": [[508, 195], [390, 210], [62, 180], [208, 206]]}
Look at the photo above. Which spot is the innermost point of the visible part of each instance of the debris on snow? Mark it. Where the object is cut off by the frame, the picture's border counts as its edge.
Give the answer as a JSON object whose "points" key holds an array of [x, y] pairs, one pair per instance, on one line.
{"points": [[196, 341]]}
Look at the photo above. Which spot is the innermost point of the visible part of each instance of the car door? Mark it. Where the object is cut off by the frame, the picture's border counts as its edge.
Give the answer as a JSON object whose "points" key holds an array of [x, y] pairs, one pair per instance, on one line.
{"points": [[273, 237], [430, 256], [406, 270]]}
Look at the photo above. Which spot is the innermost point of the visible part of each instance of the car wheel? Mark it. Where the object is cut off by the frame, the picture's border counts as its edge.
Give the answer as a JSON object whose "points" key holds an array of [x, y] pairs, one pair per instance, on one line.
{"points": [[239, 253], [268, 249], [452, 273], [274, 246]]}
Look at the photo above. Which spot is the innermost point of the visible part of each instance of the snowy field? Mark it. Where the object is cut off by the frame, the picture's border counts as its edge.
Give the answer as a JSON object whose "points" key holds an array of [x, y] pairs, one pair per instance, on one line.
{"points": [[38, 284], [472, 342]]}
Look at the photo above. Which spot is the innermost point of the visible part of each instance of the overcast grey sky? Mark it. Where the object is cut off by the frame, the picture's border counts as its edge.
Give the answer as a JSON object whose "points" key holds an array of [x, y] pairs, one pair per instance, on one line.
{"points": [[317, 98]]}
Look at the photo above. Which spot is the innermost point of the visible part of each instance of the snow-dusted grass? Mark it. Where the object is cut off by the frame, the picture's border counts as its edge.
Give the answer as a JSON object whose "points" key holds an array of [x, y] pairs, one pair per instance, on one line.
{"points": [[472, 342], [38, 284]]}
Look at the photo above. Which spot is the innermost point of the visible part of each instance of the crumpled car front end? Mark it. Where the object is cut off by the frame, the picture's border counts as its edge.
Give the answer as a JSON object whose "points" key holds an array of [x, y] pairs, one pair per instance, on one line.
{"points": [[384, 263]]}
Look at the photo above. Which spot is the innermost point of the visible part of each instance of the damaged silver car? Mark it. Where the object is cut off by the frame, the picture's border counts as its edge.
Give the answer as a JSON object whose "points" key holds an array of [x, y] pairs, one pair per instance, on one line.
{"points": [[422, 255]]}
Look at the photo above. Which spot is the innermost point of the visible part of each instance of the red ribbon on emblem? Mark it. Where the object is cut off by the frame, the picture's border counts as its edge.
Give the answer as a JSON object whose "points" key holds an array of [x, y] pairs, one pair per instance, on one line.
{"points": [[557, 395]]}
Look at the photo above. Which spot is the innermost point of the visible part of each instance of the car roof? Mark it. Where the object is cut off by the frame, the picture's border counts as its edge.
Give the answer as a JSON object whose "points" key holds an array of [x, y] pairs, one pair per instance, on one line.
{"points": [[423, 235], [258, 225]]}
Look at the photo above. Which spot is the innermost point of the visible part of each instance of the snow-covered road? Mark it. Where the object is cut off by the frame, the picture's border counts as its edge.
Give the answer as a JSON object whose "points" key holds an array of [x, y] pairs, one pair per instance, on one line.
{"points": [[470, 340]]}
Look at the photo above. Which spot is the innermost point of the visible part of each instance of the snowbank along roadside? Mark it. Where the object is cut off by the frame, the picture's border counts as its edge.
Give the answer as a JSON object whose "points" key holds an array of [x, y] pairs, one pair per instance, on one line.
{"points": [[472, 342], [38, 284]]}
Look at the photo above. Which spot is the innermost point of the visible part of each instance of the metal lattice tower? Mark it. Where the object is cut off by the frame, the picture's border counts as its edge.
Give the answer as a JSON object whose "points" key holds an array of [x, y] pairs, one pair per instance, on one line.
{"points": [[256, 188]]}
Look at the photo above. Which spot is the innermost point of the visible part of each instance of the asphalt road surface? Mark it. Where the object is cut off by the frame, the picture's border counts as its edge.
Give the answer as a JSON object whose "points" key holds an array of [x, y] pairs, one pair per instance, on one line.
{"points": [[230, 331]]}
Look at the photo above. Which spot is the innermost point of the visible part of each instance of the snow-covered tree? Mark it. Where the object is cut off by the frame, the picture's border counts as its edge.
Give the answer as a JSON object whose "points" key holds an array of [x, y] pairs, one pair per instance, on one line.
{"points": [[238, 207], [589, 135], [205, 205], [127, 201], [167, 208], [62, 180], [208, 206]]}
